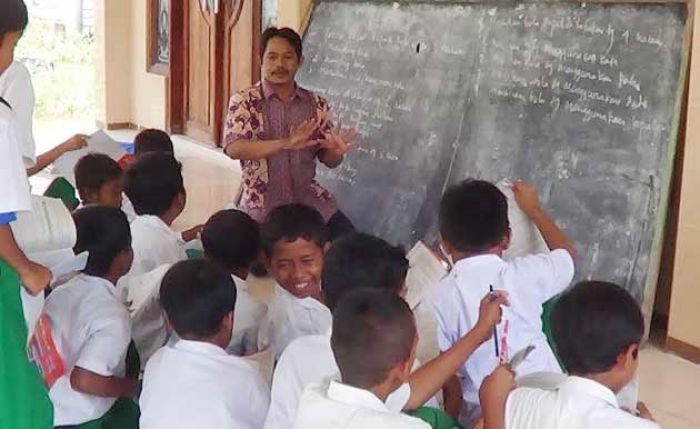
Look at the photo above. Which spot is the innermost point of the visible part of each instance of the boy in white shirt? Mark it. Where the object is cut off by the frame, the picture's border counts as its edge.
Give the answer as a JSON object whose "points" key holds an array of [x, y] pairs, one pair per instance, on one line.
{"points": [[231, 239], [374, 343], [294, 239], [90, 325], [194, 383], [353, 262], [98, 179], [597, 328], [155, 187], [474, 232]]}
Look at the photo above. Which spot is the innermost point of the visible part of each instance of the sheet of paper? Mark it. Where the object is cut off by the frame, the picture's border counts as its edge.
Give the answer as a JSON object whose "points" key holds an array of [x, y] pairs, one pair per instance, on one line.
{"points": [[526, 239], [425, 272], [49, 226], [98, 142]]}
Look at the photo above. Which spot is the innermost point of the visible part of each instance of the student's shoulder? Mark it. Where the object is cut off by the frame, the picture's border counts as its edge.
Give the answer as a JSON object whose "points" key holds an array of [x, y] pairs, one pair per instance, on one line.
{"points": [[381, 419], [619, 418], [558, 259]]}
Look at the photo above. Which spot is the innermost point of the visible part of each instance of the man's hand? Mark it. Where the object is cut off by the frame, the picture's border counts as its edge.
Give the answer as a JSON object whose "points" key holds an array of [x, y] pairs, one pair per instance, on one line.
{"points": [[644, 412], [339, 141], [35, 277], [300, 136], [490, 313], [527, 198], [76, 142]]}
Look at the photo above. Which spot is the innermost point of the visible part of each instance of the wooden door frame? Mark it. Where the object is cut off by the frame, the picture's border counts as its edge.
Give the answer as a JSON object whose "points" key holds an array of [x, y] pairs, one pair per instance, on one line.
{"points": [[177, 82]]}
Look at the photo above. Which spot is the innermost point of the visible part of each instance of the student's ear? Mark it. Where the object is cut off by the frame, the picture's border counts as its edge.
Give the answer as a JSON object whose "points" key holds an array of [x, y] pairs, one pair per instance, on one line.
{"points": [[123, 261], [91, 197], [505, 241], [228, 321]]}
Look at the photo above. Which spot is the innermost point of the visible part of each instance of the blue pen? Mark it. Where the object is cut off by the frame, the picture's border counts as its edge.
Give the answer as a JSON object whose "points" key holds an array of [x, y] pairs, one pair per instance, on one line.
{"points": [[492, 296]]}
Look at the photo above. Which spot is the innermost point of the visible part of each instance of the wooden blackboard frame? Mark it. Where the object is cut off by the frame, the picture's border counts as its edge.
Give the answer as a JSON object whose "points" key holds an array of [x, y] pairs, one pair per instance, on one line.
{"points": [[661, 256]]}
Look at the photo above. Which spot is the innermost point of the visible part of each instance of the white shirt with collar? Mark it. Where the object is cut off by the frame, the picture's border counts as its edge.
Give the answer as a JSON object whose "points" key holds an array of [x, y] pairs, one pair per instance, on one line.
{"points": [[289, 318], [331, 404], [529, 281], [305, 361], [14, 186], [90, 327], [194, 384], [16, 88], [577, 403], [247, 317], [154, 244]]}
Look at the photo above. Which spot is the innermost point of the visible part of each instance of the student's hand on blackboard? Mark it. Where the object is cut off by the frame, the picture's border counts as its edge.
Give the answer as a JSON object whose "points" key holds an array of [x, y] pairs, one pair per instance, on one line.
{"points": [[35, 277], [490, 313], [300, 136], [526, 197], [76, 142]]}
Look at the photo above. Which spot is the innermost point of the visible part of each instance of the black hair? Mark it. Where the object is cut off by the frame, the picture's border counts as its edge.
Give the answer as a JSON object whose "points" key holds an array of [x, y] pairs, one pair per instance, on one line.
{"points": [[373, 331], [473, 216], [93, 171], [362, 261], [232, 239], [153, 140], [196, 296], [593, 323], [13, 17], [285, 33], [103, 232], [292, 222], [153, 182]]}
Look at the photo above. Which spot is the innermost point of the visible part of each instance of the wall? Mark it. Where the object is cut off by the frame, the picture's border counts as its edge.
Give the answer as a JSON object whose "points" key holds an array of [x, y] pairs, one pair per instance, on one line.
{"points": [[293, 13], [684, 317], [126, 92]]}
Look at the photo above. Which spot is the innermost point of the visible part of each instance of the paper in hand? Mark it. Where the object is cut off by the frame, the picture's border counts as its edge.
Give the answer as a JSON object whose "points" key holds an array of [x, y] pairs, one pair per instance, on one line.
{"points": [[525, 239], [98, 142]]}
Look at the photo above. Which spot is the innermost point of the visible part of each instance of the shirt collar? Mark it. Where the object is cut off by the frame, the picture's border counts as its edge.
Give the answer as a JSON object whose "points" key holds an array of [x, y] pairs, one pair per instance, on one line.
{"points": [[239, 282], [589, 387], [307, 302], [105, 284], [477, 261], [199, 347], [268, 90], [353, 396], [157, 222]]}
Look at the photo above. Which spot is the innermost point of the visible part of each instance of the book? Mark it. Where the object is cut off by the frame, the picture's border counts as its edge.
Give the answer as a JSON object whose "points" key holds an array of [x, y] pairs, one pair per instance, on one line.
{"points": [[47, 227], [425, 271]]}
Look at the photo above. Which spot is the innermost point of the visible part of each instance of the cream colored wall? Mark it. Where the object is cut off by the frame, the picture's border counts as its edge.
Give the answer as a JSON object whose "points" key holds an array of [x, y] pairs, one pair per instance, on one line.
{"points": [[684, 317], [126, 92], [293, 13]]}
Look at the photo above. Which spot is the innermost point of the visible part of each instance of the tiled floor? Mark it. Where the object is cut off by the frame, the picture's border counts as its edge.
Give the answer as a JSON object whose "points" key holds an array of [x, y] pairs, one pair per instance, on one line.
{"points": [[670, 386]]}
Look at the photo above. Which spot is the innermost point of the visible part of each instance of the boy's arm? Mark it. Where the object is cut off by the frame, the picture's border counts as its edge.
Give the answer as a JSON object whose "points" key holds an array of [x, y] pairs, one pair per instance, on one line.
{"points": [[76, 142], [452, 393], [529, 202], [493, 396], [429, 378], [34, 277], [90, 383]]}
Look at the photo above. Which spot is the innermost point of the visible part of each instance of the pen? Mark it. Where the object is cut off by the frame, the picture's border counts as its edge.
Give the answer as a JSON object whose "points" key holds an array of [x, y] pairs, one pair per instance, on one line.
{"points": [[492, 296]]}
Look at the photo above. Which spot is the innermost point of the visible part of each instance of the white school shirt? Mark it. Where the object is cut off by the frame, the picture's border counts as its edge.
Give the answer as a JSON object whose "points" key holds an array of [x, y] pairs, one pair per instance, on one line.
{"points": [[90, 327], [331, 404], [154, 244], [247, 317], [308, 360], [289, 318], [14, 186], [529, 281], [577, 403], [194, 384], [16, 88]]}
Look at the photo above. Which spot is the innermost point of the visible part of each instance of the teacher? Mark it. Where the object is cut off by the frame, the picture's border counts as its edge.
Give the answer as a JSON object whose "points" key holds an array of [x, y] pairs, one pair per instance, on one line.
{"points": [[277, 130]]}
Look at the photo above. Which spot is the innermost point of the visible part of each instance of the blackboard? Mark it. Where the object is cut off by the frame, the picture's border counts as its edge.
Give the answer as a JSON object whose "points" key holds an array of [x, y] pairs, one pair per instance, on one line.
{"points": [[580, 99]]}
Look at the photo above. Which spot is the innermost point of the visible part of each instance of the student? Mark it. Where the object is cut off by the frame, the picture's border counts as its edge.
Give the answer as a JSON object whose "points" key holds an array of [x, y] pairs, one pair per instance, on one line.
{"points": [[353, 262], [155, 187], [232, 240], [194, 383], [99, 180], [152, 140], [374, 343], [598, 328], [474, 232], [294, 239], [90, 325], [20, 384]]}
